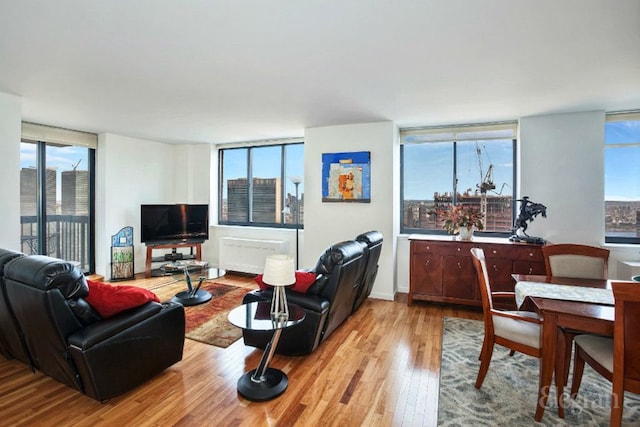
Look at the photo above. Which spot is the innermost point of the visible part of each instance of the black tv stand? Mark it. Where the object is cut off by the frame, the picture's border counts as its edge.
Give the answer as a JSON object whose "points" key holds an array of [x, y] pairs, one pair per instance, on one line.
{"points": [[173, 246], [178, 256]]}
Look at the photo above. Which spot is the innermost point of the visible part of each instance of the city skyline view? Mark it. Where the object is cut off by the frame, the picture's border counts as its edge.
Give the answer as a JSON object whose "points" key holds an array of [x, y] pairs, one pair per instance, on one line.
{"points": [[266, 164], [60, 159]]}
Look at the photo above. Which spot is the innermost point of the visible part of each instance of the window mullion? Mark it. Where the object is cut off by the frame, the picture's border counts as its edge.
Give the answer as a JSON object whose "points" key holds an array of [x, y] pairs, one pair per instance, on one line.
{"points": [[41, 196], [283, 182], [250, 185], [454, 198]]}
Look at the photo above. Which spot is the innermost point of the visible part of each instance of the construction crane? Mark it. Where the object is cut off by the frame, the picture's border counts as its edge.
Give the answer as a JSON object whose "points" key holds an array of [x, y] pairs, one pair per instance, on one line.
{"points": [[76, 165], [486, 184]]}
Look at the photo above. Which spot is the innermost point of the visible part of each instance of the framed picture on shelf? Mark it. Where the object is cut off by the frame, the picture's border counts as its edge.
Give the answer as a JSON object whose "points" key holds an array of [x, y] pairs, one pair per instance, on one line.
{"points": [[346, 177]]}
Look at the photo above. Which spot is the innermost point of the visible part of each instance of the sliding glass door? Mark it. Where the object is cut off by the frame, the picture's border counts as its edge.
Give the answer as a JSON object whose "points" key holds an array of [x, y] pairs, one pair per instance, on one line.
{"points": [[56, 201]]}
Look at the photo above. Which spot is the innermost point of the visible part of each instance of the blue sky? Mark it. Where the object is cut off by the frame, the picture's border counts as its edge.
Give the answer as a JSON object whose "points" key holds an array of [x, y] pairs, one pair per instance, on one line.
{"points": [[428, 168], [622, 164]]}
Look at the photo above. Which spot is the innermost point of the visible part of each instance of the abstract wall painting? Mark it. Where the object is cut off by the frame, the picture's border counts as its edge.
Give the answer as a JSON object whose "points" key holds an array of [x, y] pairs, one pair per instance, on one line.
{"points": [[346, 177]]}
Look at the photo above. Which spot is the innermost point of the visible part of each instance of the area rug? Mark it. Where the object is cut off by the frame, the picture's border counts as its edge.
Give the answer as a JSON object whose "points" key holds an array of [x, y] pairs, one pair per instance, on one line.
{"points": [[208, 322], [508, 395]]}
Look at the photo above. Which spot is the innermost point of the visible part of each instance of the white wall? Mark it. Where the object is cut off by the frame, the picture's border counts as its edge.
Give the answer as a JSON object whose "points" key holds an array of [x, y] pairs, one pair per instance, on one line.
{"points": [[10, 130], [328, 223], [192, 175], [193, 169], [130, 172], [562, 166]]}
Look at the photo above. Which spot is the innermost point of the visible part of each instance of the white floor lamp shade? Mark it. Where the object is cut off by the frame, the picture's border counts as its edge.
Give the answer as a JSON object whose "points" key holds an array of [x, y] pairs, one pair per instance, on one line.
{"points": [[279, 271]]}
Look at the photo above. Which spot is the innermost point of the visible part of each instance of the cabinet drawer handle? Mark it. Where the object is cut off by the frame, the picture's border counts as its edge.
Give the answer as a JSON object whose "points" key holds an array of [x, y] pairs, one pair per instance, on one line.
{"points": [[530, 253], [428, 247], [426, 264], [495, 252], [459, 249], [495, 267], [459, 265], [530, 270]]}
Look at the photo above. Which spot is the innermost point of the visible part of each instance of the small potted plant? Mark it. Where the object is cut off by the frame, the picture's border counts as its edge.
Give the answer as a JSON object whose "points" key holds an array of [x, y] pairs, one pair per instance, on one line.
{"points": [[463, 219]]}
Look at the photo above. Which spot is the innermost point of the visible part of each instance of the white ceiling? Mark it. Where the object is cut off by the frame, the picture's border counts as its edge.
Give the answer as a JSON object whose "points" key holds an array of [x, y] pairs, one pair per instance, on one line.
{"points": [[238, 70]]}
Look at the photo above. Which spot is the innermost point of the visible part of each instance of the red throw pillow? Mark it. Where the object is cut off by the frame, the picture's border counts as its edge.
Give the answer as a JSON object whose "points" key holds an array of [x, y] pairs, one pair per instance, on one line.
{"points": [[260, 283], [304, 280], [108, 299]]}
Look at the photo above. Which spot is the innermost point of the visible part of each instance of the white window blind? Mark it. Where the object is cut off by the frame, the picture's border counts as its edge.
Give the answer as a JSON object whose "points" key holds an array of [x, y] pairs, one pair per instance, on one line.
{"points": [[474, 132], [34, 132], [626, 116]]}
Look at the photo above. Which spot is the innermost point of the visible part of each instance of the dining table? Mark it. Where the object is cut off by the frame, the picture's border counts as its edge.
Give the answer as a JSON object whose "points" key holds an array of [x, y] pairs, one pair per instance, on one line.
{"points": [[579, 305]]}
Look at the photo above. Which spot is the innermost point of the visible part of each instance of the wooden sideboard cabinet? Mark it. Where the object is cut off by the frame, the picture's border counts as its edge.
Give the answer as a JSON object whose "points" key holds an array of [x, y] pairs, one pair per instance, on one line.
{"points": [[441, 269]]}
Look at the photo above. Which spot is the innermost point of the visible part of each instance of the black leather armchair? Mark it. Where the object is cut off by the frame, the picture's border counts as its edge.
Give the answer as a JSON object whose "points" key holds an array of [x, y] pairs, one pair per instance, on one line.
{"points": [[67, 340], [11, 342], [373, 239], [327, 303]]}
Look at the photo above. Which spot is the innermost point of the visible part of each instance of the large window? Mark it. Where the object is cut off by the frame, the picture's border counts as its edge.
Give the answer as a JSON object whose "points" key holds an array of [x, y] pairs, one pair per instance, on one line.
{"points": [[622, 178], [468, 165], [258, 185], [56, 194]]}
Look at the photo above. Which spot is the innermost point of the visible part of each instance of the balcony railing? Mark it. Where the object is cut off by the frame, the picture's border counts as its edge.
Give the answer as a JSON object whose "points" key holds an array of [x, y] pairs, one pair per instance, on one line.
{"points": [[67, 237]]}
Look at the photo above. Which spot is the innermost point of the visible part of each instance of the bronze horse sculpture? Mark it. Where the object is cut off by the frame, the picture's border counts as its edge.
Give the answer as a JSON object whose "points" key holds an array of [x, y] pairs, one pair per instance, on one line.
{"points": [[528, 211]]}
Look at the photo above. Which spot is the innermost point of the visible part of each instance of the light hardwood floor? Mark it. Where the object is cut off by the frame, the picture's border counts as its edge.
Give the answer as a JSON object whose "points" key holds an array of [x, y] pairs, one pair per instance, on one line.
{"points": [[380, 368]]}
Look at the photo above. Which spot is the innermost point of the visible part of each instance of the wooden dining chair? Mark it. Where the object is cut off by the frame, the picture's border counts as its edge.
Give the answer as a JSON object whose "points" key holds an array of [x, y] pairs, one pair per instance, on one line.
{"points": [[579, 261], [617, 359], [574, 260], [516, 330]]}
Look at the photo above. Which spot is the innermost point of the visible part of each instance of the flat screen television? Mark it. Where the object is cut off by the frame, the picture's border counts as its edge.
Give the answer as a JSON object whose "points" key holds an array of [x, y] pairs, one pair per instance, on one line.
{"points": [[178, 223]]}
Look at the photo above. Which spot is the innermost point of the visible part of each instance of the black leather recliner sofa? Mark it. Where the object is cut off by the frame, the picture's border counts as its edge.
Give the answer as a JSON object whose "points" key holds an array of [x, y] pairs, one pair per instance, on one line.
{"points": [[67, 340], [11, 341], [373, 240], [341, 272]]}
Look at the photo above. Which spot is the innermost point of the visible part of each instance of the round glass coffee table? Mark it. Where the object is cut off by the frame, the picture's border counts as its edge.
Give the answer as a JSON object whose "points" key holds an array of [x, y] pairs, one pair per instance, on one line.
{"points": [[264, 383], [193, 295]]}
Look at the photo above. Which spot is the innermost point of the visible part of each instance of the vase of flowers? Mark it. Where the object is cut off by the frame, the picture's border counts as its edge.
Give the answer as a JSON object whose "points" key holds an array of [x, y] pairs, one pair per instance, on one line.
{"points": [[463, 220]]}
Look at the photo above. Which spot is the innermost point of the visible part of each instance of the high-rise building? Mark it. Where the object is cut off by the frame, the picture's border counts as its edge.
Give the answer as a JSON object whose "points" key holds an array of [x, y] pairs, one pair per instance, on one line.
{"points": [[266, 200], [75, 192], [237, 201], [29, 188]]}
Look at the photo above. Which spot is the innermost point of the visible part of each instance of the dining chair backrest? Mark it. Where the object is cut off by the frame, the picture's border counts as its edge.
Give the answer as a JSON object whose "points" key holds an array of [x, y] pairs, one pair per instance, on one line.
{"points": [[575, 260], [514, 330], [480, 264], [626, 334]]}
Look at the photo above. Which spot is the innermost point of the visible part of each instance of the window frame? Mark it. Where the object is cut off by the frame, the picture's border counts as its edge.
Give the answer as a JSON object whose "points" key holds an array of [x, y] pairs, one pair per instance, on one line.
{"points": [[250, 147], [612, 117], [43, 136], [455, 131]]}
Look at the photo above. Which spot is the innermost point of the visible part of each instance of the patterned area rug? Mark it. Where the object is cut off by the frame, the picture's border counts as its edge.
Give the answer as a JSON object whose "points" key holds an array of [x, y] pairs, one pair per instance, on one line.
{"points": [[208, 322], [508, 395]]}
